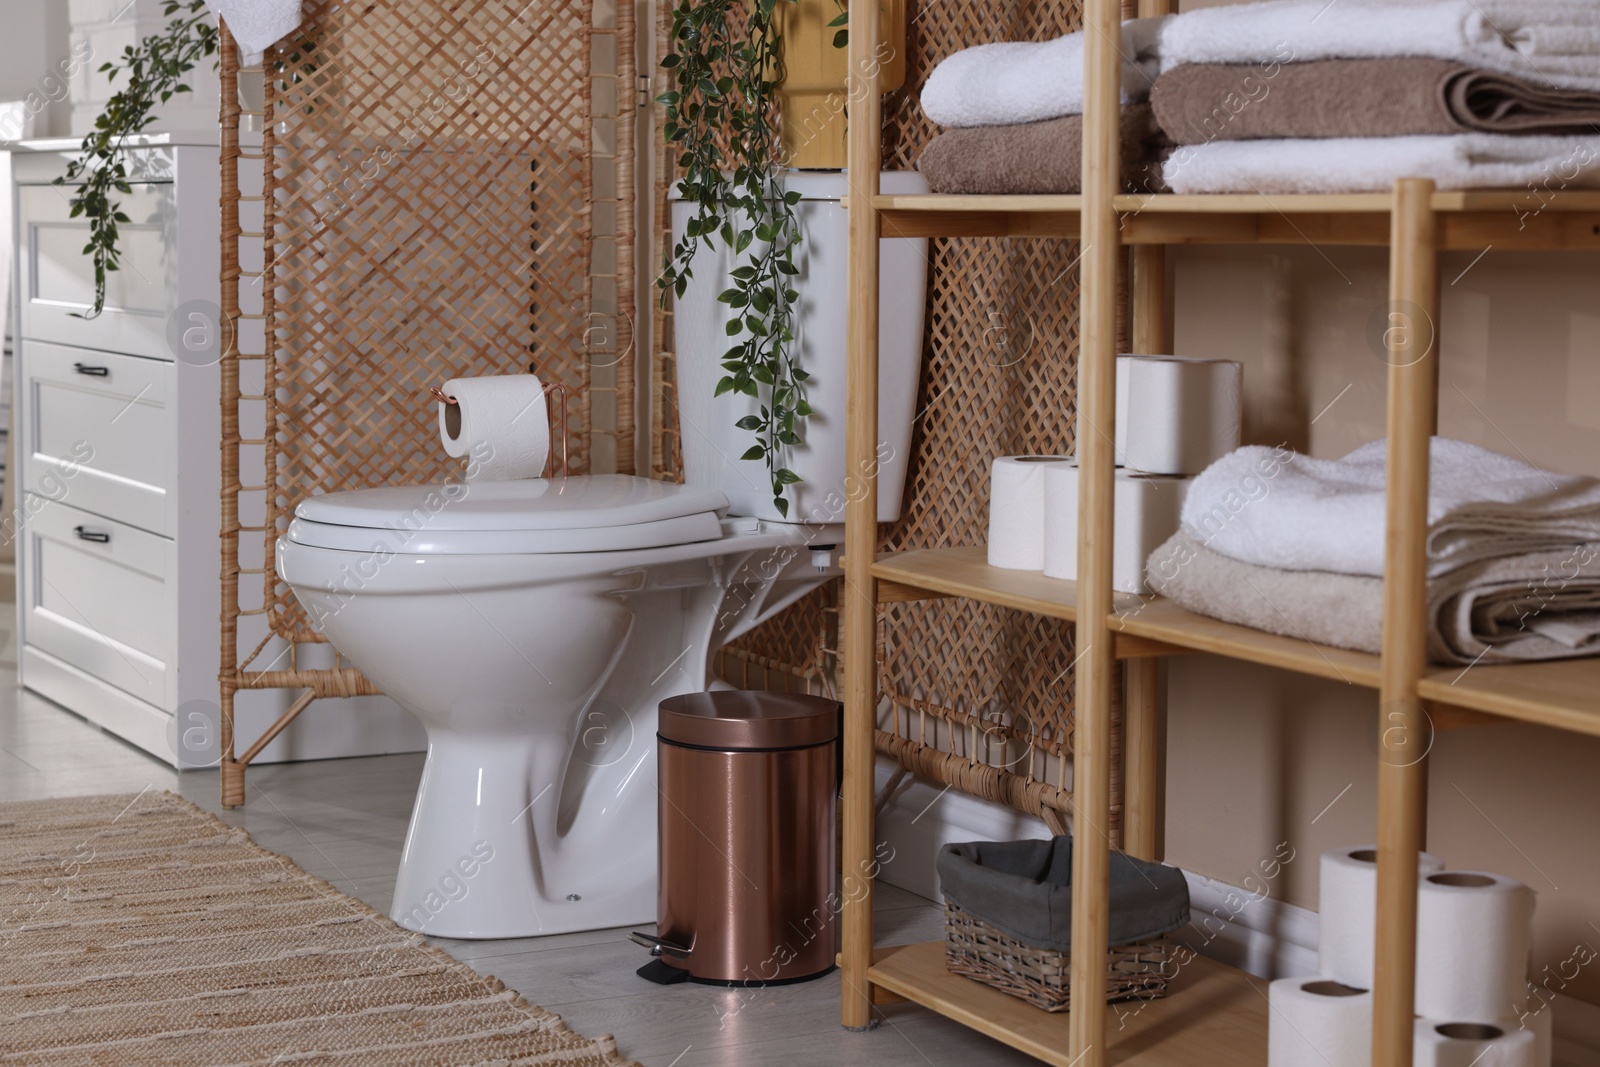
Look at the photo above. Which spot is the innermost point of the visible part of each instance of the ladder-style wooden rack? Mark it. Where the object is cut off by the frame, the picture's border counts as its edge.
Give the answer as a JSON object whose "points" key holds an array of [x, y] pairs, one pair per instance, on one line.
{"points": [[1216, 1014]]}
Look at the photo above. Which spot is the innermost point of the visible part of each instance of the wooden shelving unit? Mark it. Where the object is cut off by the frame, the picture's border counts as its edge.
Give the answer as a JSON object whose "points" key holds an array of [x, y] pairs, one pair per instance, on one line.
{"points": [[1216, 1015]]}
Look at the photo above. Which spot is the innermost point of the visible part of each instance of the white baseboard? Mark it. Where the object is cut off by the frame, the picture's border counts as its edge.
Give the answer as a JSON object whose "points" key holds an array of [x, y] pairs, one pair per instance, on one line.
{"points": [[1258, 935]]}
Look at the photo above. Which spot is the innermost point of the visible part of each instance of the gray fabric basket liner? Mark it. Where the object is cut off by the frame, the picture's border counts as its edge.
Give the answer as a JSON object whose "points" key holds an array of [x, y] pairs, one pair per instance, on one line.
{"points": [[1023, 888]]}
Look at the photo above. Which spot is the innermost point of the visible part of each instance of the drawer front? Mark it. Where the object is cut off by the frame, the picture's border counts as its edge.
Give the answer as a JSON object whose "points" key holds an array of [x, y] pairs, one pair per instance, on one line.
{"points": [[98, 432], [100, 595], [57, 279]]}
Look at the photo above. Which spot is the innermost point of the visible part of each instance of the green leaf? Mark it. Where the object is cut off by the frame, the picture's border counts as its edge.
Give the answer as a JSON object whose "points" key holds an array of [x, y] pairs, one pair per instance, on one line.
{"points": [[841, 39], [786, 476], [723, 386], [782, 505], [749, 422], [754, 452]]}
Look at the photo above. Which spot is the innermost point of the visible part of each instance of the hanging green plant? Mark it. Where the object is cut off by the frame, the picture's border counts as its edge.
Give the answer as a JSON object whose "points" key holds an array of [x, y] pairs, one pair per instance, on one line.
{"points": [[156, 68], [722, 93]]}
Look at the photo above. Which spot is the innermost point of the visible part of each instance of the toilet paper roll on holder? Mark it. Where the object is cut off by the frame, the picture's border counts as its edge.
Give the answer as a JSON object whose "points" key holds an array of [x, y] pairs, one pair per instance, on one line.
{"points": [[561, 423]]}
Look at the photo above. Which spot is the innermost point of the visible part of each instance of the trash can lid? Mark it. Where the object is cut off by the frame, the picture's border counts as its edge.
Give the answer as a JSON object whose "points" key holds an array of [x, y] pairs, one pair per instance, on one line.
{"points": [[748, 719]]}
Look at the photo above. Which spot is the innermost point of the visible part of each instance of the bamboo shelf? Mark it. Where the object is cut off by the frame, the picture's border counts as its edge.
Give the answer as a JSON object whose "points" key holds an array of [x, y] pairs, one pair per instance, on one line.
{"points": [[1214, 1016], [1467, 221], [1564, 694], [1221, 1019]]}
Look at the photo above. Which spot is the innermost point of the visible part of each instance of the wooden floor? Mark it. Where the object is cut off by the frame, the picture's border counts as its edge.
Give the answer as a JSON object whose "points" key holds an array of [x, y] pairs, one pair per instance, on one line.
{"points": [[344, 820]]}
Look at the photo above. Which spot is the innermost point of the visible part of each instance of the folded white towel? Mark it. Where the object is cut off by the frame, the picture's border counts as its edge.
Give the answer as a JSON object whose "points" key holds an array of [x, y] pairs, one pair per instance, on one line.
{"points": [[1373, 164], [1549, 41], [255, 24], [1305, 514], [1029, 81], [1534, 606]]}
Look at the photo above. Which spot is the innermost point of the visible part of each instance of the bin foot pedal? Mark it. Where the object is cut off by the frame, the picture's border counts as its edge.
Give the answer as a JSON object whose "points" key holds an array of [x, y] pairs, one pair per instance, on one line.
{"points": [[661, 974]]}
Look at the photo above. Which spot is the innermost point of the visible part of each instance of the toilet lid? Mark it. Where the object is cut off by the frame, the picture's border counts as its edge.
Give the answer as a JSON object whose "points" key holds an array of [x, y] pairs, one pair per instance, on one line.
{"points": [[587, 513]]}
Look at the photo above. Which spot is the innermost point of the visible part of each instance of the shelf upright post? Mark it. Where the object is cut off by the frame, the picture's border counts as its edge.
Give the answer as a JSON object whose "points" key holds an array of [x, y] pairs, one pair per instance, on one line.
{"points": [[861, 522], [1097, 358], [1144, 700], [1404, 733]]}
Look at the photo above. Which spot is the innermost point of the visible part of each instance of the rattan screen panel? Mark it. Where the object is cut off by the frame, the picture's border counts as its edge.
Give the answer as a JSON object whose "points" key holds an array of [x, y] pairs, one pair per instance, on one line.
{"points": [[444, 203], [978, 697], [441, 189]]}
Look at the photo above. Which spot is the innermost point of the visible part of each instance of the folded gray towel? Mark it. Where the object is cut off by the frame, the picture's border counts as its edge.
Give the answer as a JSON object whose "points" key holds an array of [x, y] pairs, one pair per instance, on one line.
{"points": [[1537, 606], [1039, 157], [1396, 97]]}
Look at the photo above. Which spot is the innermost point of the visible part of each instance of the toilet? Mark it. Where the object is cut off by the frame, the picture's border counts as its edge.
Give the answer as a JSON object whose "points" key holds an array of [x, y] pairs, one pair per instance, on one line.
{"points": [[534, 626]]}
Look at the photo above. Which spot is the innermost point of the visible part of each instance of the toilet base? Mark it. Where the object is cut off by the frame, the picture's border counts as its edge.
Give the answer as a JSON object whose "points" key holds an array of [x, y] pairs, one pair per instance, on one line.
{"points": [[471, 868]]}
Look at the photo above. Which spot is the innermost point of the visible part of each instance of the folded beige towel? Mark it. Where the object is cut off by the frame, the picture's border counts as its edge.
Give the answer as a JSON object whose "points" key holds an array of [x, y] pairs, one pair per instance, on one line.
{"points": [[1038, 157], [1202, 102], [1539, 606]]}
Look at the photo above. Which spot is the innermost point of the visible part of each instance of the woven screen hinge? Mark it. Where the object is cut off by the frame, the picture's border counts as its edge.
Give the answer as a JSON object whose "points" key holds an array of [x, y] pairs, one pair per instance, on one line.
{"points": [[644, 90]]}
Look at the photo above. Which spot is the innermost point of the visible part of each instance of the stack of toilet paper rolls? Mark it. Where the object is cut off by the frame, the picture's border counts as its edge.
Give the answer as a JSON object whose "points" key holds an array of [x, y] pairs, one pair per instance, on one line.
{"points": [[1473, 938], [1175, 417]]}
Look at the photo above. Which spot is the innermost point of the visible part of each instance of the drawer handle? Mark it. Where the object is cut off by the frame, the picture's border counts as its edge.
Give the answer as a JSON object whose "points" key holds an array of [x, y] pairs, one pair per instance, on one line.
{"points": [[92, 535], [91, 370]]}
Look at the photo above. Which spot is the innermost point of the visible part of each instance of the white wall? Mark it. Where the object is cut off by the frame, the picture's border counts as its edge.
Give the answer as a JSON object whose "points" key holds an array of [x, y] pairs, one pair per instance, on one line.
{"points": [[103, 28], [51, 51], [32, 45]]}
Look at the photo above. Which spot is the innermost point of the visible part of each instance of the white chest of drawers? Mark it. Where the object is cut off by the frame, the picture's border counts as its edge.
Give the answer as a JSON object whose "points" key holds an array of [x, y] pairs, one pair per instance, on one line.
{"points": [[117, 424]]}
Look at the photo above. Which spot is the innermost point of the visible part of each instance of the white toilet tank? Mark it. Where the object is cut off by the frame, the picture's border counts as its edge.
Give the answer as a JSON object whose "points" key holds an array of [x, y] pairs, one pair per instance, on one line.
{"points": [[712, 444]]}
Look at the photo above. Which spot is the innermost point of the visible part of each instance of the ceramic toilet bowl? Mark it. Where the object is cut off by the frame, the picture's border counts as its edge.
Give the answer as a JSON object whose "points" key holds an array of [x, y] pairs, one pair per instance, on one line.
{"points": [[532, 627]]}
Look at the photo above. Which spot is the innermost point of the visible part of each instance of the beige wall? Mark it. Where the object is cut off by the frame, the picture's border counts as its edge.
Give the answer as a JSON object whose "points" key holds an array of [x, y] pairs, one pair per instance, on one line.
{"points": [[1257, 754]]}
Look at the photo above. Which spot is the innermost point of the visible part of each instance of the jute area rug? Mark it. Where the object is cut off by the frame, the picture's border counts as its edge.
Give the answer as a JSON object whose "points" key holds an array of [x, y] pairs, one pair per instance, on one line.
{"points": [[141, 930]]}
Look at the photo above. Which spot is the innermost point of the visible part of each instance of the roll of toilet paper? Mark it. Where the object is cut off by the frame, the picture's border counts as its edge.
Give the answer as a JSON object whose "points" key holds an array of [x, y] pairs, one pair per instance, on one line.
{"points": [[1016, 511], [1120, 435], [1317, 1022], [1177, 415], [1147, 510], [1347, 923], [1474, 930], [1464, 1044], [1539, 1019], [499, 424]]}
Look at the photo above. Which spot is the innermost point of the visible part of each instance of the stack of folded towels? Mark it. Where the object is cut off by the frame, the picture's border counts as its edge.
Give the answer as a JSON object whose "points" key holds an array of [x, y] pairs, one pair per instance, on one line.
{"points": [[1291, 96], [1293, 545], [1017, 113], [1307, 96]]}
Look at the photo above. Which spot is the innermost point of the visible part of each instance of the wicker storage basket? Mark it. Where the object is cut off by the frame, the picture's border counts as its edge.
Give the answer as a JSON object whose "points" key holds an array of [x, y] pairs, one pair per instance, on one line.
{"points": [[976, 950], [1008, 919]]}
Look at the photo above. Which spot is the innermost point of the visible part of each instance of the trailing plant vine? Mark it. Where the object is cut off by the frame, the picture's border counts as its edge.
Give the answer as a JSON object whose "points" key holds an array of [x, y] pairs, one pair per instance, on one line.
{"points": [[722, 94], [156, 68]]}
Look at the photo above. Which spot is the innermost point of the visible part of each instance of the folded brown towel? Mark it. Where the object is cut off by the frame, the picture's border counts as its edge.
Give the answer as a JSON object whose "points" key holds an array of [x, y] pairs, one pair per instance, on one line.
{"points": [[1201, 102], [1514, 609], [1038, 157]]}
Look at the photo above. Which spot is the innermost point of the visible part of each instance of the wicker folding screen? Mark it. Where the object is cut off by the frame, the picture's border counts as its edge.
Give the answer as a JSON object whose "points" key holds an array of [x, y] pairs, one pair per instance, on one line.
{"points": [[979, 697], [444, 189]]}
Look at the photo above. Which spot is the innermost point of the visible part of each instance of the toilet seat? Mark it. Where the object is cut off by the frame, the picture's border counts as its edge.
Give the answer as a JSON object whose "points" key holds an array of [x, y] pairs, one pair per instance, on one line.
{"points": [[588, 513]]}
